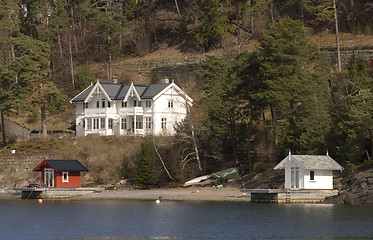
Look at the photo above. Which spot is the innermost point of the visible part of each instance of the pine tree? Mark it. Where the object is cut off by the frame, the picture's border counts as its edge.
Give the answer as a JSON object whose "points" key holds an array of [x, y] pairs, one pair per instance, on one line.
{"points": [[294, 73]]}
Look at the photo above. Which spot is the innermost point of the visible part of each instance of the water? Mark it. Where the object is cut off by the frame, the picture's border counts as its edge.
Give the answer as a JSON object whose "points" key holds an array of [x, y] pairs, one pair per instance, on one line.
{"points": [[180, 220]]}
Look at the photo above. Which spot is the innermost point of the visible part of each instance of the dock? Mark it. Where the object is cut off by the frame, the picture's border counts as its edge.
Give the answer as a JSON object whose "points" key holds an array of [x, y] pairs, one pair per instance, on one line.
{"points": [[289, 196], [35, 193]]}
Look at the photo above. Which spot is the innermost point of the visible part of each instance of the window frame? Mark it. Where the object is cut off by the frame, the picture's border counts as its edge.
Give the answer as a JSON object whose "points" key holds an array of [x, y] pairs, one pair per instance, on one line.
{"points": [[164, 123], [312, 175], [148, 103], [170, 103], [65, 180], [148, 123], [89, 123], [110, 123]]}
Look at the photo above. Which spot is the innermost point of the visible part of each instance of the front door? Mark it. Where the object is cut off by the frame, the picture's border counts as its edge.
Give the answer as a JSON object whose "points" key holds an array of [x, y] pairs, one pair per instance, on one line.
{"points": [[294, 178], [48, 177]]}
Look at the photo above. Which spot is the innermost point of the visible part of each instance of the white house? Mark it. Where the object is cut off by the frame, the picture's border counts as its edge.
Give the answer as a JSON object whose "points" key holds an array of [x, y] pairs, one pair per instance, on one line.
{"points": [[115, 109], [308, 171]]}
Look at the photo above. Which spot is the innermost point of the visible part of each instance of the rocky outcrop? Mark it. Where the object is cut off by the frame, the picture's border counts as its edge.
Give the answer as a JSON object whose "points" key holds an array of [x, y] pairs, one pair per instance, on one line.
{"points": [[354, 189]]}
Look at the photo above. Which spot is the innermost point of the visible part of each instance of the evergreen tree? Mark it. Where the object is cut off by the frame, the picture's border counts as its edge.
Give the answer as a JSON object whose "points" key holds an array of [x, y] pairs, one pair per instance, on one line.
{"points": [[145, 174], [84, 77], [212, 23], [293, 71], [223, 103]]}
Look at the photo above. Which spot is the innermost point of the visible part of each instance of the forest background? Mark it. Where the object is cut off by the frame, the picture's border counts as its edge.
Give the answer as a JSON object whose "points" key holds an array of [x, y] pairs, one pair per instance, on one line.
{"points": [[265, 87]]}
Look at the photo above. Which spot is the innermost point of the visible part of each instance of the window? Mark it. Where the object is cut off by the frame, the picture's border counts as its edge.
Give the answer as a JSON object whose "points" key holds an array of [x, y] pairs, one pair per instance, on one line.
{"points": [[124, 104], [65, 176], [98, 104], [103, 103], [312, 175], [148, 103], [170, 103], [124, 123], [103, 123], [148, 123], [135, 103], [163, 123], [96, 123], [139, 125], [83, 123], [85, 105], [89, 123], [110, 123], [139, 104], [108, 104]]}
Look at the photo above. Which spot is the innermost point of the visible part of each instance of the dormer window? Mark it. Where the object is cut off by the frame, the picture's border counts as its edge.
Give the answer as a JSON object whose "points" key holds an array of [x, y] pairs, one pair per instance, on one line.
{"points": [[135, 103], [108, 104], [124, 104], [103, 103]]}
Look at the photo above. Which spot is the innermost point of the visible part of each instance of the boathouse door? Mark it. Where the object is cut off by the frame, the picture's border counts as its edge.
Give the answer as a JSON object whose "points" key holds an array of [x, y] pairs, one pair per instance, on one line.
{"points": [[294, 178], [48, 177]]}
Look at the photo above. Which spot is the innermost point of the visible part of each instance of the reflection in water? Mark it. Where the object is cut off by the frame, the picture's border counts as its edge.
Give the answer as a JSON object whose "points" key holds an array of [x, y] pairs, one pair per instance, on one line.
{"points": [[121, 219]]}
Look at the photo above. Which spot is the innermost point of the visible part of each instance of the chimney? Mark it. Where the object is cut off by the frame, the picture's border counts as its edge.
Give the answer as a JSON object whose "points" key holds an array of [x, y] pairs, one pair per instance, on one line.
{"points": [[114, 79], [165, 80]]}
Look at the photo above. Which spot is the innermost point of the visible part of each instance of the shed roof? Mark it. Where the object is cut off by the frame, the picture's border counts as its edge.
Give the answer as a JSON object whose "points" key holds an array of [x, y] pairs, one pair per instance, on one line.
{"points": [[317, 162], [63, 165]]}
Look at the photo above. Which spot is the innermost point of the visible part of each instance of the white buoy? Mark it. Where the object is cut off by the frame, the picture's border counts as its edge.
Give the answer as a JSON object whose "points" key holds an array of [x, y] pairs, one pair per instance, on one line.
{"points": [[157, 201]]}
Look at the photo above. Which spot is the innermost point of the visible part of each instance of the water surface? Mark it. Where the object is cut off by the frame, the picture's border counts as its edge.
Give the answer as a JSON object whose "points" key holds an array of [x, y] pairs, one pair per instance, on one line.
{"points": [[126, 219]]}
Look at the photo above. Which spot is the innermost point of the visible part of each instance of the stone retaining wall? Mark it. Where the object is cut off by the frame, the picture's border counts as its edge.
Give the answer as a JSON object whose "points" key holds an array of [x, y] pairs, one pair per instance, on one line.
{"points": [[18, 163], [192, 64]]}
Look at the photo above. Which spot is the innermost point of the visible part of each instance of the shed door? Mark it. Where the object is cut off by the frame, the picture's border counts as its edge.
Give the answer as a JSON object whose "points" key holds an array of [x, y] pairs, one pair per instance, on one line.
{"points": [[48, 177], [294, 178]]}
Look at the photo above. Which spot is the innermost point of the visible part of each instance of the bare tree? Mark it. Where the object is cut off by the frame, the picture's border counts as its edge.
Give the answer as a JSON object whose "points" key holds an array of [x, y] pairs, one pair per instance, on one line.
{"points": [[160, 158], [188, 136]]}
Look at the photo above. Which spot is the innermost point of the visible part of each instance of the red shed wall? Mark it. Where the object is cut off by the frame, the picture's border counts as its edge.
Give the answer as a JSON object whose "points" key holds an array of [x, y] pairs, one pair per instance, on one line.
{"points": [[74, 180]]}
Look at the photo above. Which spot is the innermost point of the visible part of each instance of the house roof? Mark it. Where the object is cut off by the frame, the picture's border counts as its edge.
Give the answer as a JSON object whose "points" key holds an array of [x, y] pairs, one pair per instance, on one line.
{"points": [[62, 165], [118, 92], [317, 162]]}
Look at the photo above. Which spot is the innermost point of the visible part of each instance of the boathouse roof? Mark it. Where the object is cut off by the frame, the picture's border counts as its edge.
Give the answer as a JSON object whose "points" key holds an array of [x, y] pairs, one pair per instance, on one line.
{"points": [[62, 165], [317, 162]]}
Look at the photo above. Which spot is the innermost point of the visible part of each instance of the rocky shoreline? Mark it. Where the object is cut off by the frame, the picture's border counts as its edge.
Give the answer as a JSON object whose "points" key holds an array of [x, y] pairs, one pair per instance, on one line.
{"points": [[354, 189]]}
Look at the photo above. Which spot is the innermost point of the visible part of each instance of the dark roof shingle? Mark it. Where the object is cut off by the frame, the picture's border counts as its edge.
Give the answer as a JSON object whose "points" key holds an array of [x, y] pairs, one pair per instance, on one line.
{"points": [[67, 165], [118, 91]]}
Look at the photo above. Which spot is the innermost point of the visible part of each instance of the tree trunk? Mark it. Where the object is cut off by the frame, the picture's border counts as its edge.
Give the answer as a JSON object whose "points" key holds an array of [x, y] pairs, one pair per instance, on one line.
{"points": [[275, 138], [13, 58], [3, 127], [71, 64], [177, 8], [194, 140], [73, 27], [43, 121], [60, 45], [109, 61], [337, 36], [163, 164]]}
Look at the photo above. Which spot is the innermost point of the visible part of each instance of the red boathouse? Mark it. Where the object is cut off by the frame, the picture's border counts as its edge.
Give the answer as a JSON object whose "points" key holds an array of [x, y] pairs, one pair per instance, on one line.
{"points": [[60, 173]]}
